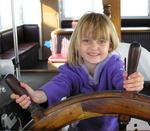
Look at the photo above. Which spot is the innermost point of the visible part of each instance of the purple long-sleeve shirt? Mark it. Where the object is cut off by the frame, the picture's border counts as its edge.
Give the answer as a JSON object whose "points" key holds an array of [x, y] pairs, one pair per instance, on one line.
{"points": [[74, 80]]}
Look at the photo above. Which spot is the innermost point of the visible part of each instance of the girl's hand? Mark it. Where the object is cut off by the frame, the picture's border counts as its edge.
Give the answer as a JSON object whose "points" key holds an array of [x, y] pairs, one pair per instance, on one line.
{"points": [[133, 82], [24, 101]]}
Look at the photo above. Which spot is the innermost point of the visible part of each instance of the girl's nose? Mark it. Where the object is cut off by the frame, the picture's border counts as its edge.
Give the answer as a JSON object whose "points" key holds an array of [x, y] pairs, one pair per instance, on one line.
{"points": [[95, 44]]}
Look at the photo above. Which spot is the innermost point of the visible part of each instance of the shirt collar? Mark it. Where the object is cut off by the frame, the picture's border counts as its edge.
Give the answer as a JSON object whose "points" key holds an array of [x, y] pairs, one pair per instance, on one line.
{"points": [[95, 79]]}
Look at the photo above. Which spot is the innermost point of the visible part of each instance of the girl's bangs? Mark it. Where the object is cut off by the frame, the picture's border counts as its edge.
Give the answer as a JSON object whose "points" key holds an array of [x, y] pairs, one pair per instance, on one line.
{"points": [[97, 31]]}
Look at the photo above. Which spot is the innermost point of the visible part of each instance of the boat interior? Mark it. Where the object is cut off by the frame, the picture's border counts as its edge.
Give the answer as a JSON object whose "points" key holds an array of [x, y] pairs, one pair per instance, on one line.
{"points": [[32, 50]]}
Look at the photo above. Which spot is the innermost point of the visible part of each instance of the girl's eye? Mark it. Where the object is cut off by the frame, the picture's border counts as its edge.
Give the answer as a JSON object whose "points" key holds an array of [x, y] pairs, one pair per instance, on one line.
{"points": [[85, 40], [102, 41]]}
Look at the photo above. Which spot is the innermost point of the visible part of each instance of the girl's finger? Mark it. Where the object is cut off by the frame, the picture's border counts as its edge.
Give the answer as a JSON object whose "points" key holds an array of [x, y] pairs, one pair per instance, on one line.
{"points": [[14, 96], [24, 101], [25, 106]]}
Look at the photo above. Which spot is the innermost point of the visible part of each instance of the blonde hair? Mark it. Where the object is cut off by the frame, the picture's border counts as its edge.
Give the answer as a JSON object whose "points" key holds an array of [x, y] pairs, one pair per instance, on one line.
{"points": [[93, 24]]}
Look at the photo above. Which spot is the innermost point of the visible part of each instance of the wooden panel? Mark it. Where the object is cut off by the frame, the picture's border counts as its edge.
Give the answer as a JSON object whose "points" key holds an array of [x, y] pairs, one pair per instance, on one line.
{"points": [[50, 17], [115, 14]]}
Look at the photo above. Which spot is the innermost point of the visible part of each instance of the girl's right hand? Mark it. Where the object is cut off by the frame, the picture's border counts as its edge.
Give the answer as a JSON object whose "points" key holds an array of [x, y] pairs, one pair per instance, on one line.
{"points": [[24, 101], [37, 96]]}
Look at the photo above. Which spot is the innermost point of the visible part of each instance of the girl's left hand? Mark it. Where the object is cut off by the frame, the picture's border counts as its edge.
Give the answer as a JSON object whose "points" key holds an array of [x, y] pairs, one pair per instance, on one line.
{"points": [[134, 82]]}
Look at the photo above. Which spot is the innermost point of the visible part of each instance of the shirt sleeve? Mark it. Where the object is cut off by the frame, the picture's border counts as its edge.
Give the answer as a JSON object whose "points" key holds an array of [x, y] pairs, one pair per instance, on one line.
{"points": [[117, 74], [57, 88]]}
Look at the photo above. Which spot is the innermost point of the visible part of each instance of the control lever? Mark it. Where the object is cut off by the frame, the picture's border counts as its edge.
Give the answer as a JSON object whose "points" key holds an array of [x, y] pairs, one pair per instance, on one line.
{"points": [[14, 85], [133, 61], [133, 57]]}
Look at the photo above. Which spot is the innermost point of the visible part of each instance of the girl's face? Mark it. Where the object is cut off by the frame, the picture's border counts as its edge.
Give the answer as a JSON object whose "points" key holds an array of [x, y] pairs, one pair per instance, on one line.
{"points": [[94, 51]]}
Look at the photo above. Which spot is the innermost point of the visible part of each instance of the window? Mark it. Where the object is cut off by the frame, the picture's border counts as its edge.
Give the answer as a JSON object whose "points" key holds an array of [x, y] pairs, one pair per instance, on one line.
{"points": [[31, 11], [134, 8], [74, 9], [5, 14], [22, 10]]}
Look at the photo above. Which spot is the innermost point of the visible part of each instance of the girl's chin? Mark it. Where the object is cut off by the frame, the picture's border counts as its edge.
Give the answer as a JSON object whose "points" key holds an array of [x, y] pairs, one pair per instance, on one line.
{"points": [[95, 61]]}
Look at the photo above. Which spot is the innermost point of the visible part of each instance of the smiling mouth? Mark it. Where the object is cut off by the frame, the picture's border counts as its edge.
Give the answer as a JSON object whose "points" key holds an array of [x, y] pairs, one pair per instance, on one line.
{"points": [[93, 54]]}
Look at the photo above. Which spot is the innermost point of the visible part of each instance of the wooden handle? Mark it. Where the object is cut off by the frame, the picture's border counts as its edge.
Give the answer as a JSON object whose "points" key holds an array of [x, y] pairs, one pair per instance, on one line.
{"points": [[85, 106], [14, 85], [133, 57]]}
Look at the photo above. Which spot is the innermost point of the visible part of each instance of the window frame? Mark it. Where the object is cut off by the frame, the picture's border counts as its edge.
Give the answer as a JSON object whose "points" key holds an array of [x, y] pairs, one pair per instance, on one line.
{"points": [[61, 11], [136, 21], [18, 16], [137, 16]]}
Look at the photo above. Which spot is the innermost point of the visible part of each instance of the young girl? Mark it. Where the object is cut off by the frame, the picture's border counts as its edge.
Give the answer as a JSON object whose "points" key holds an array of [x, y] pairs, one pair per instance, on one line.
{"points": [[92, 66]]}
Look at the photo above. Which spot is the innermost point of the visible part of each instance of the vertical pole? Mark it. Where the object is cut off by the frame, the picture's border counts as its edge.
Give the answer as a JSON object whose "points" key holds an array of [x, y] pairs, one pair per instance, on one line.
{"points": [[16, 64]]}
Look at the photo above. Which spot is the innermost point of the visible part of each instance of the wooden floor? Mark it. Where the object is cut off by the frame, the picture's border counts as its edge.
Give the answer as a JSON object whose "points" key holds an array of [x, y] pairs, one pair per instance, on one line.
{"points": [[36, 78]]}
